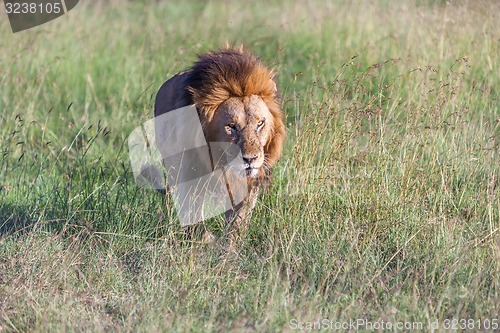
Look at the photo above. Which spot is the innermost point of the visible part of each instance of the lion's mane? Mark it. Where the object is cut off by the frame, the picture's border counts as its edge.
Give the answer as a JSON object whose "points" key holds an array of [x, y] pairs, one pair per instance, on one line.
{"points": [[217, 76]]}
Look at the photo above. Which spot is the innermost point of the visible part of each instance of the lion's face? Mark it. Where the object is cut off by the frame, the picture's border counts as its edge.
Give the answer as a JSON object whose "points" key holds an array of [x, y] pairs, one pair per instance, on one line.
{"points": [[247, 122]]}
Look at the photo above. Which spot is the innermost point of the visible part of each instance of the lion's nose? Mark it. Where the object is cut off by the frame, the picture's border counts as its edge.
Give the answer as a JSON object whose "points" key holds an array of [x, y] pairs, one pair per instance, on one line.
{"points": [[248, 159]]}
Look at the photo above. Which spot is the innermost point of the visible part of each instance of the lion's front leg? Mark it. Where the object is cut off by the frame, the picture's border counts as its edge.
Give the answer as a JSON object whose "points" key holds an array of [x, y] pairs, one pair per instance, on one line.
{"points": [[238, 219], [198, 232]]}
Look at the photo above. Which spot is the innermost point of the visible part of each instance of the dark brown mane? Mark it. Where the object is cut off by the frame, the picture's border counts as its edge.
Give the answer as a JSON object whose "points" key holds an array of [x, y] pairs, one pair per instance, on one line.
{"points": [[216, 76]]}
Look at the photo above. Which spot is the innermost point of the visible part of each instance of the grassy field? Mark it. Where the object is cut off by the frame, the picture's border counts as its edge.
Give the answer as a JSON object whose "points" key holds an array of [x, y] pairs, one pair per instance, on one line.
{"points": [[384, 207]]}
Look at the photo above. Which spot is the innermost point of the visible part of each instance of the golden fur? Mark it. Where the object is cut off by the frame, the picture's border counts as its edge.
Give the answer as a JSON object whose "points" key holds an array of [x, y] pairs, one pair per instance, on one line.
{"points": [[235, 96], [217, 76]]}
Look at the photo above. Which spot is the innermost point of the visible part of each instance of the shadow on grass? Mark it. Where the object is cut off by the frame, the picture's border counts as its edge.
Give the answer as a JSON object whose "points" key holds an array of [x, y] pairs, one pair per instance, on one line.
{"points": [[15, 220]]}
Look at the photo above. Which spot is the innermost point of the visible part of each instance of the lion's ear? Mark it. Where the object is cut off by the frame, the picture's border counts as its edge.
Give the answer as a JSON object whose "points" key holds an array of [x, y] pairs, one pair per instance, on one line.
{"points": [[272, 77], [275, 89]]}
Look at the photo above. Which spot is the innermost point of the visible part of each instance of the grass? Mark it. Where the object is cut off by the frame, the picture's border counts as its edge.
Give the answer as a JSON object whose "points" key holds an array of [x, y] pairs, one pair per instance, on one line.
{"points": [[385, 205]]}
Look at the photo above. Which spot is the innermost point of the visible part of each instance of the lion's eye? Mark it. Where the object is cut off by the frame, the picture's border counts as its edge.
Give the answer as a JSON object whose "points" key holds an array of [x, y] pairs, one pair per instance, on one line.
{"points": [[231, 126], [261, 123]]}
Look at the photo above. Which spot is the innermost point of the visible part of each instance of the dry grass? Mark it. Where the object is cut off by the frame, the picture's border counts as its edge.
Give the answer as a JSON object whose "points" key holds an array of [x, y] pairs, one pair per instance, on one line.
{"points": [[385, 205]]}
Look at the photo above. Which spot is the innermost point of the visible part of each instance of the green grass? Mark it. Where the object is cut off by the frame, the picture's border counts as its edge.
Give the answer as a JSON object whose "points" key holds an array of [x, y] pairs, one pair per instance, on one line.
{"points": [[384, 206]]}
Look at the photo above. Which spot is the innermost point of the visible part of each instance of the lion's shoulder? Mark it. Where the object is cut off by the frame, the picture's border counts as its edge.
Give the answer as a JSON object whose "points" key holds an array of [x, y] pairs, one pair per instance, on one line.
{"points": [[173, 94]]}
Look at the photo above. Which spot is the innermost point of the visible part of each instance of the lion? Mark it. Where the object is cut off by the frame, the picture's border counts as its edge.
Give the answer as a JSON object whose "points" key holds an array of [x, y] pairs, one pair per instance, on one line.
{"points": [[236, 101]]}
